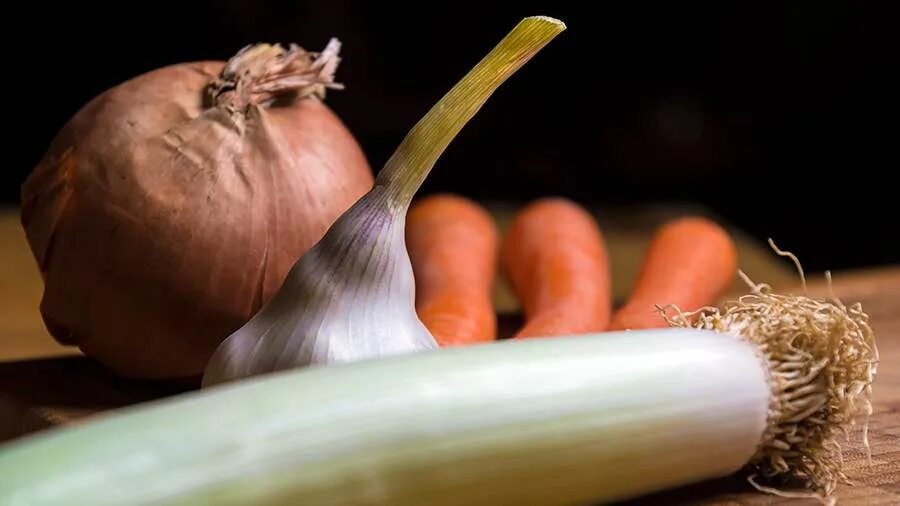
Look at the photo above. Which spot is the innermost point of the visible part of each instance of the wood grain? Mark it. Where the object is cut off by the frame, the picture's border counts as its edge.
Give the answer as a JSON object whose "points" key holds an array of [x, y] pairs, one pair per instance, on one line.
{"points": [[22, 333]]}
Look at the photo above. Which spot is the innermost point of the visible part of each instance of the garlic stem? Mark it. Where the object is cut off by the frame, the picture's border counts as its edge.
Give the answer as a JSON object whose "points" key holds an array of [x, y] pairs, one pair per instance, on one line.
{"points": [[352, 296], [405, 171]]}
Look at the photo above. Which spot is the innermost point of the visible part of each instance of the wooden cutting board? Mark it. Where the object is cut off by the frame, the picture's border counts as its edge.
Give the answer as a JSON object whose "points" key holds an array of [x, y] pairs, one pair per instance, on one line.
{"points": [[43, 385]]}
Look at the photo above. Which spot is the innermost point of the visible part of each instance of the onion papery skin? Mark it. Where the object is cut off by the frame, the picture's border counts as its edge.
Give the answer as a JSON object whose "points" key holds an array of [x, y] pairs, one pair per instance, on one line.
{"points": [[162, 219]]}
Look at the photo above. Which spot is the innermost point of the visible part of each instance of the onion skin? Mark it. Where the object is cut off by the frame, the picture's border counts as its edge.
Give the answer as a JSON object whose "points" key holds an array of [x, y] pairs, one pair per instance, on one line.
{"points": [[161, 223]]}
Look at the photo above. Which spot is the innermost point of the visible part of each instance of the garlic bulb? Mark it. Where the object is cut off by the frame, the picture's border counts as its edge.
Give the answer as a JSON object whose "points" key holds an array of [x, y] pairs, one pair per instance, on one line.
{"points": [[352, 296]]}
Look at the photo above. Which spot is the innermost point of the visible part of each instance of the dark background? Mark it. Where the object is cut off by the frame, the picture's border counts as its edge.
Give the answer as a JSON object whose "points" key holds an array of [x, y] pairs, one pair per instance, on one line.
{"points": [[739, 106]]}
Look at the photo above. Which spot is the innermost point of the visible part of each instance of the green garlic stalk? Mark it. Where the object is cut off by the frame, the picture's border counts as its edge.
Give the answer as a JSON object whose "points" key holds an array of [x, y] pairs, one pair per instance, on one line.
{"points": [[352, 296]]}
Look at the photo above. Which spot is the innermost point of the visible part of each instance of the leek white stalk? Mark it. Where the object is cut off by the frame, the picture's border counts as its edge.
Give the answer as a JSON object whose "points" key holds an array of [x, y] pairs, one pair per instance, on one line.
{"points": [[352, 296], [544, 421]]}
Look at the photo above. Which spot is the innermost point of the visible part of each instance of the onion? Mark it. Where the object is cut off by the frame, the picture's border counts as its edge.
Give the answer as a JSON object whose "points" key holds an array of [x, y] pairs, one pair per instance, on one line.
{"points": [[170, 208]]}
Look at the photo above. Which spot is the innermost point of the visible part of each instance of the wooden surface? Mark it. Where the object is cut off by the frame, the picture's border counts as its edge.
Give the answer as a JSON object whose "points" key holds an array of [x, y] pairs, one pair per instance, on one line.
{"points": [[627, 231], [22, 334], [43, 384]]}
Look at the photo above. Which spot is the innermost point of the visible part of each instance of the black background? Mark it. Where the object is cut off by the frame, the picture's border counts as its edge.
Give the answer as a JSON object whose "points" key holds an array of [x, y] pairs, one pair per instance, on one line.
{"points": [[739, 106]]}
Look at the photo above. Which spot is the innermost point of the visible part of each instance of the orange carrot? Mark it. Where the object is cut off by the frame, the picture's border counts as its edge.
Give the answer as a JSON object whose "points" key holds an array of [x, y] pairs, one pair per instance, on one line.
{"points": [[556, 261], [690, 263], [452, 243]]}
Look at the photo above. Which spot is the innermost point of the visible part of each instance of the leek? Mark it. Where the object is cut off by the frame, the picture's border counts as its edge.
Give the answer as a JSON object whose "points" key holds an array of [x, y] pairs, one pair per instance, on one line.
{"points": [[547, 421]]}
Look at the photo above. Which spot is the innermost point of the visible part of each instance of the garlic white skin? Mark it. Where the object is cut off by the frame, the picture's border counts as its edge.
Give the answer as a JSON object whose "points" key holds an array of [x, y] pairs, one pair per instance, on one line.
{"points": [[352, 296]]}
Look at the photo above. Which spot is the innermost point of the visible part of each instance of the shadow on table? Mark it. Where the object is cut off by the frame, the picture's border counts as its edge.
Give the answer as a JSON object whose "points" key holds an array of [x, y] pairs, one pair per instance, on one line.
{"points": [[41, 393]]}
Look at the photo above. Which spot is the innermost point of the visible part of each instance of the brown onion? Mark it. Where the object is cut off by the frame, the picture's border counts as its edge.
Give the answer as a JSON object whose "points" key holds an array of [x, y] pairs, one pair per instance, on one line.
{"points": [[172, 206]]}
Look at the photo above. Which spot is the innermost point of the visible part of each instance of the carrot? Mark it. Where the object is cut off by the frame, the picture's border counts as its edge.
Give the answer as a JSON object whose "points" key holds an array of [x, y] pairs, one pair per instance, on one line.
{"points": [[690, 263], [452, 243], [556, 261]]}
